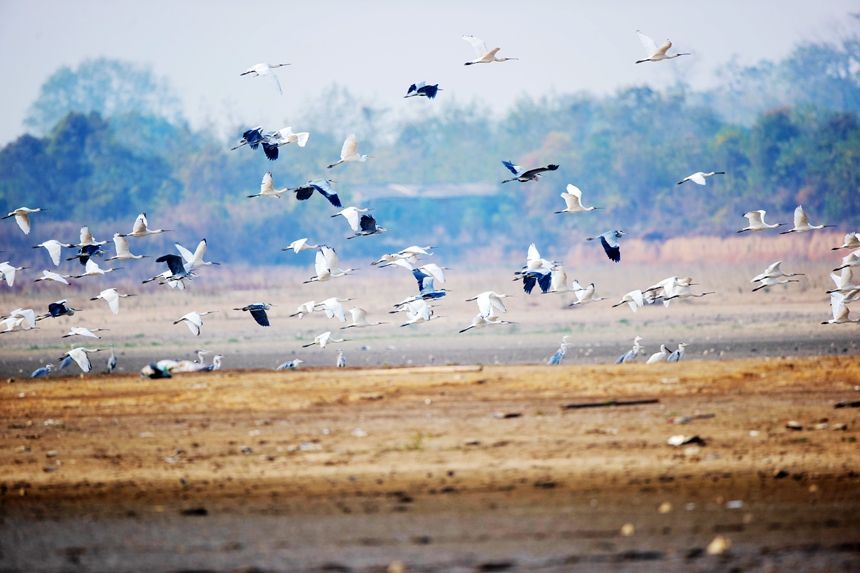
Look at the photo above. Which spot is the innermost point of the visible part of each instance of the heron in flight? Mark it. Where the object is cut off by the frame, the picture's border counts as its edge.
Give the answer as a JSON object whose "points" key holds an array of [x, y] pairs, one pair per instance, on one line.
{"points": [[422, 89], [258, 311], [322, 187], [485, 56], [525, 175], [272, 140], [609, 240]]}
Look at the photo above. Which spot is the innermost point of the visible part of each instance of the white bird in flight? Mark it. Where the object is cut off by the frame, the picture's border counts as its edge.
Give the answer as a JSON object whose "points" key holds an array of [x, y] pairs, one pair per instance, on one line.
{"points": [[123, 253], [193, 321], [79, 355], [22, 217], [359, 319], [304, 308], [54, 249], [849, 260], [92, 269], [272, 140], [633, 298], [300, 245], [141, 229], [756, 222], [112, 297], [851, 241], [699, 177], [51, 276], [773, 271], [801, 223], [584, 295], [265, 70], [194, 259], [485, 56], [267, 188], [773, 281], [481, 321], [326, 265], [840, 311], [573, 201], [656, 54], [81, 331], [489, 302], [333, 308], [351, 214], [324, 339], [349, 152], [7, 271]]}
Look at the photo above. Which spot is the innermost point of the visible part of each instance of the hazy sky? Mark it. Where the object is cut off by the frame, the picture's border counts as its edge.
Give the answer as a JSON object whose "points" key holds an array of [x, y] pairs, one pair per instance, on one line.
{"points": [[377, 48]]}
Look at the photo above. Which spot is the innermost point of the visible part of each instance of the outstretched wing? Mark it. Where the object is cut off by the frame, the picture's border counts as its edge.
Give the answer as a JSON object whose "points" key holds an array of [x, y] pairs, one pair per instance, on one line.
{"points": [[326, 191], [368, 224], [515, 169], [350, 147], [613, 252], [650, 45], [478, 44], [800, 218]]}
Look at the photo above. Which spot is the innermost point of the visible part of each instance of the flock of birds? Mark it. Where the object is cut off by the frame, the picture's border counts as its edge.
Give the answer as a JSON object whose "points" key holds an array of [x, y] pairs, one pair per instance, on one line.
{"points": [[548, 276]]}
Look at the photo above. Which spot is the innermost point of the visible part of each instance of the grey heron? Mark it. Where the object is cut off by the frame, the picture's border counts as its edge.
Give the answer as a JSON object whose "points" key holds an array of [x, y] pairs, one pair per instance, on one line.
{"points": [[422, 89], [258, 311], [559, 354], [609, 240], [525, 175], [676, 356]]}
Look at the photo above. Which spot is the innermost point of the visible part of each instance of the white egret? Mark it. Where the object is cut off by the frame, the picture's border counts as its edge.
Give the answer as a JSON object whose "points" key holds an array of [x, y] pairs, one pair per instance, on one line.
{"points": [[699, 177], [267, 188], [300, 245], [435, 271], [559, 354], [341, 359], [7, 271], [92, 269], [756, 222], [609, 240], [81, 331], [359, 319], [123, 253], [196, 259], [584, 295], [258, 311], [324, 339], [79, 355], [306, 308], [526, 175], [676, 356], [54, 249], [265, 70], [633, 299], [774, 271], [22, 217], [488, 301], [422, 89], [333, 308], [661, 356], [112, 296], [654, 53], [485, 56], [773, 281], [141, 229], [573, 201], [851, 241], [194, 321], [87, 238], [801, 223], [349, 152], [326, 265], [840, 311]]}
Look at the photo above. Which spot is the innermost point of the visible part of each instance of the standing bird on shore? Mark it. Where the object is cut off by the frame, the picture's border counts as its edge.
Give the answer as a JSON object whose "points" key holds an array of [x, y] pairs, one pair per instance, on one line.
{"points": [[422, 89], [7, 271], [193, 321], [485, 56], [659, 356], [630, 355], [112, 296], [525, 175], [55, 247], [559, 354], [756, 222], [609, 240], [341, 359], [265, 70], [349, 152], [79, 355], [676, 356], [22, 217], [290, 365], [324, 339], [656, 54], [322, 187], [111, 361], [699, 177], [258, 311], [141, 228], [801, 223], [573, 201], [123, 253]]}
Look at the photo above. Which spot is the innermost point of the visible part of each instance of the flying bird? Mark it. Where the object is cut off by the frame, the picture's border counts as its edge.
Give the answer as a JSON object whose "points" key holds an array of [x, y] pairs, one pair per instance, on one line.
{"points": [[92, 269], [851, 241], [634, 299], [304, 308], [141, 228], [195, 259], [839, 309], [484, 321], [123, 253], [573, 201], [55, 248], [584, 295], [656, 54], [756, 222], [609, 240], [87, 238], [349, 152], [484, 56], [322, 187], [267, 188], [300, 245], [7, 271], [290, 365], [251, 138], [58, 309], [525, 175], [773, 271], [22, 217], [272, 140], [422, 89], [327, 266], [324, 339], [489, 302], [81, 331], [265, 70], [112, 297], [367, 227], [333, 308], [699, 177], [773, 281], [79, 355], [86, 252], [359, 319], [801, 223], [193, 321], [258, 311]]}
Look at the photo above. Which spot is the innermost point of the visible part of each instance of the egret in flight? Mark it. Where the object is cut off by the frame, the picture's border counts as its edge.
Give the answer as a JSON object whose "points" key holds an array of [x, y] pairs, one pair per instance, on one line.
{"points": [[88, 239], [481, 321], [304, 308], [327, 266], [141, 229], [112, 297], [774, 271], [123, 253], [656, 54], [195, 258], [193, 321], [92, 269], [22, 217], [525, 175], [300, 245], [756, 222], [79, 355], [267, 188], [485, 56], [699, 177], [55, 247], [773, 281], [634, 299], [609, 240], [324, 339], [422, 89], [333, 308], [584, 295], [359, 319], [840, 311], [272, 140], [258, 311], [81, 331], [349, 152], [851, 241], [489, 302], [573, 201], [265, 70], [7, 271], [801, 223]]}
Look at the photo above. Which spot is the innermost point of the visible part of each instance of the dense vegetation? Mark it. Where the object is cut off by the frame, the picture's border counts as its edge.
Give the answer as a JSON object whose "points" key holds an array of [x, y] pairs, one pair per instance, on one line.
{"points": [[106, 159]]}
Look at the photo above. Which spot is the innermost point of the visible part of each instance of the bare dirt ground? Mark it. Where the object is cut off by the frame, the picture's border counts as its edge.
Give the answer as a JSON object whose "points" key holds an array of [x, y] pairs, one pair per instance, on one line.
{"points": [[444, 468]]}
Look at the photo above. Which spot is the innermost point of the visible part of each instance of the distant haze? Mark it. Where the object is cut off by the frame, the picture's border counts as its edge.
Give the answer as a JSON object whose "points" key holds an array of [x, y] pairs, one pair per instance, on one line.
{"points": [[377, 48]]}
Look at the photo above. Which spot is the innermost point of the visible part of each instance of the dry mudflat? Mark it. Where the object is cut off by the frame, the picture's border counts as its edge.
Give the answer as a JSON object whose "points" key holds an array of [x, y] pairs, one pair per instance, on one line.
{"points": [[439, 468]]}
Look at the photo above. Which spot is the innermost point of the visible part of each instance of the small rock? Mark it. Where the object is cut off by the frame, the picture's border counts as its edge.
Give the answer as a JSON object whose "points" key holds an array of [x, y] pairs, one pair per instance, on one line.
{"points": [[780, 473], [719, 545], [471, 442], [359, 433], [821, 426], [665, 507], [628, 529], [247, 451], [734, 504], [22, 449], [813, 488], [692, 451], [753, 433], [794, 425], [841, 427], [52, 454]]}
